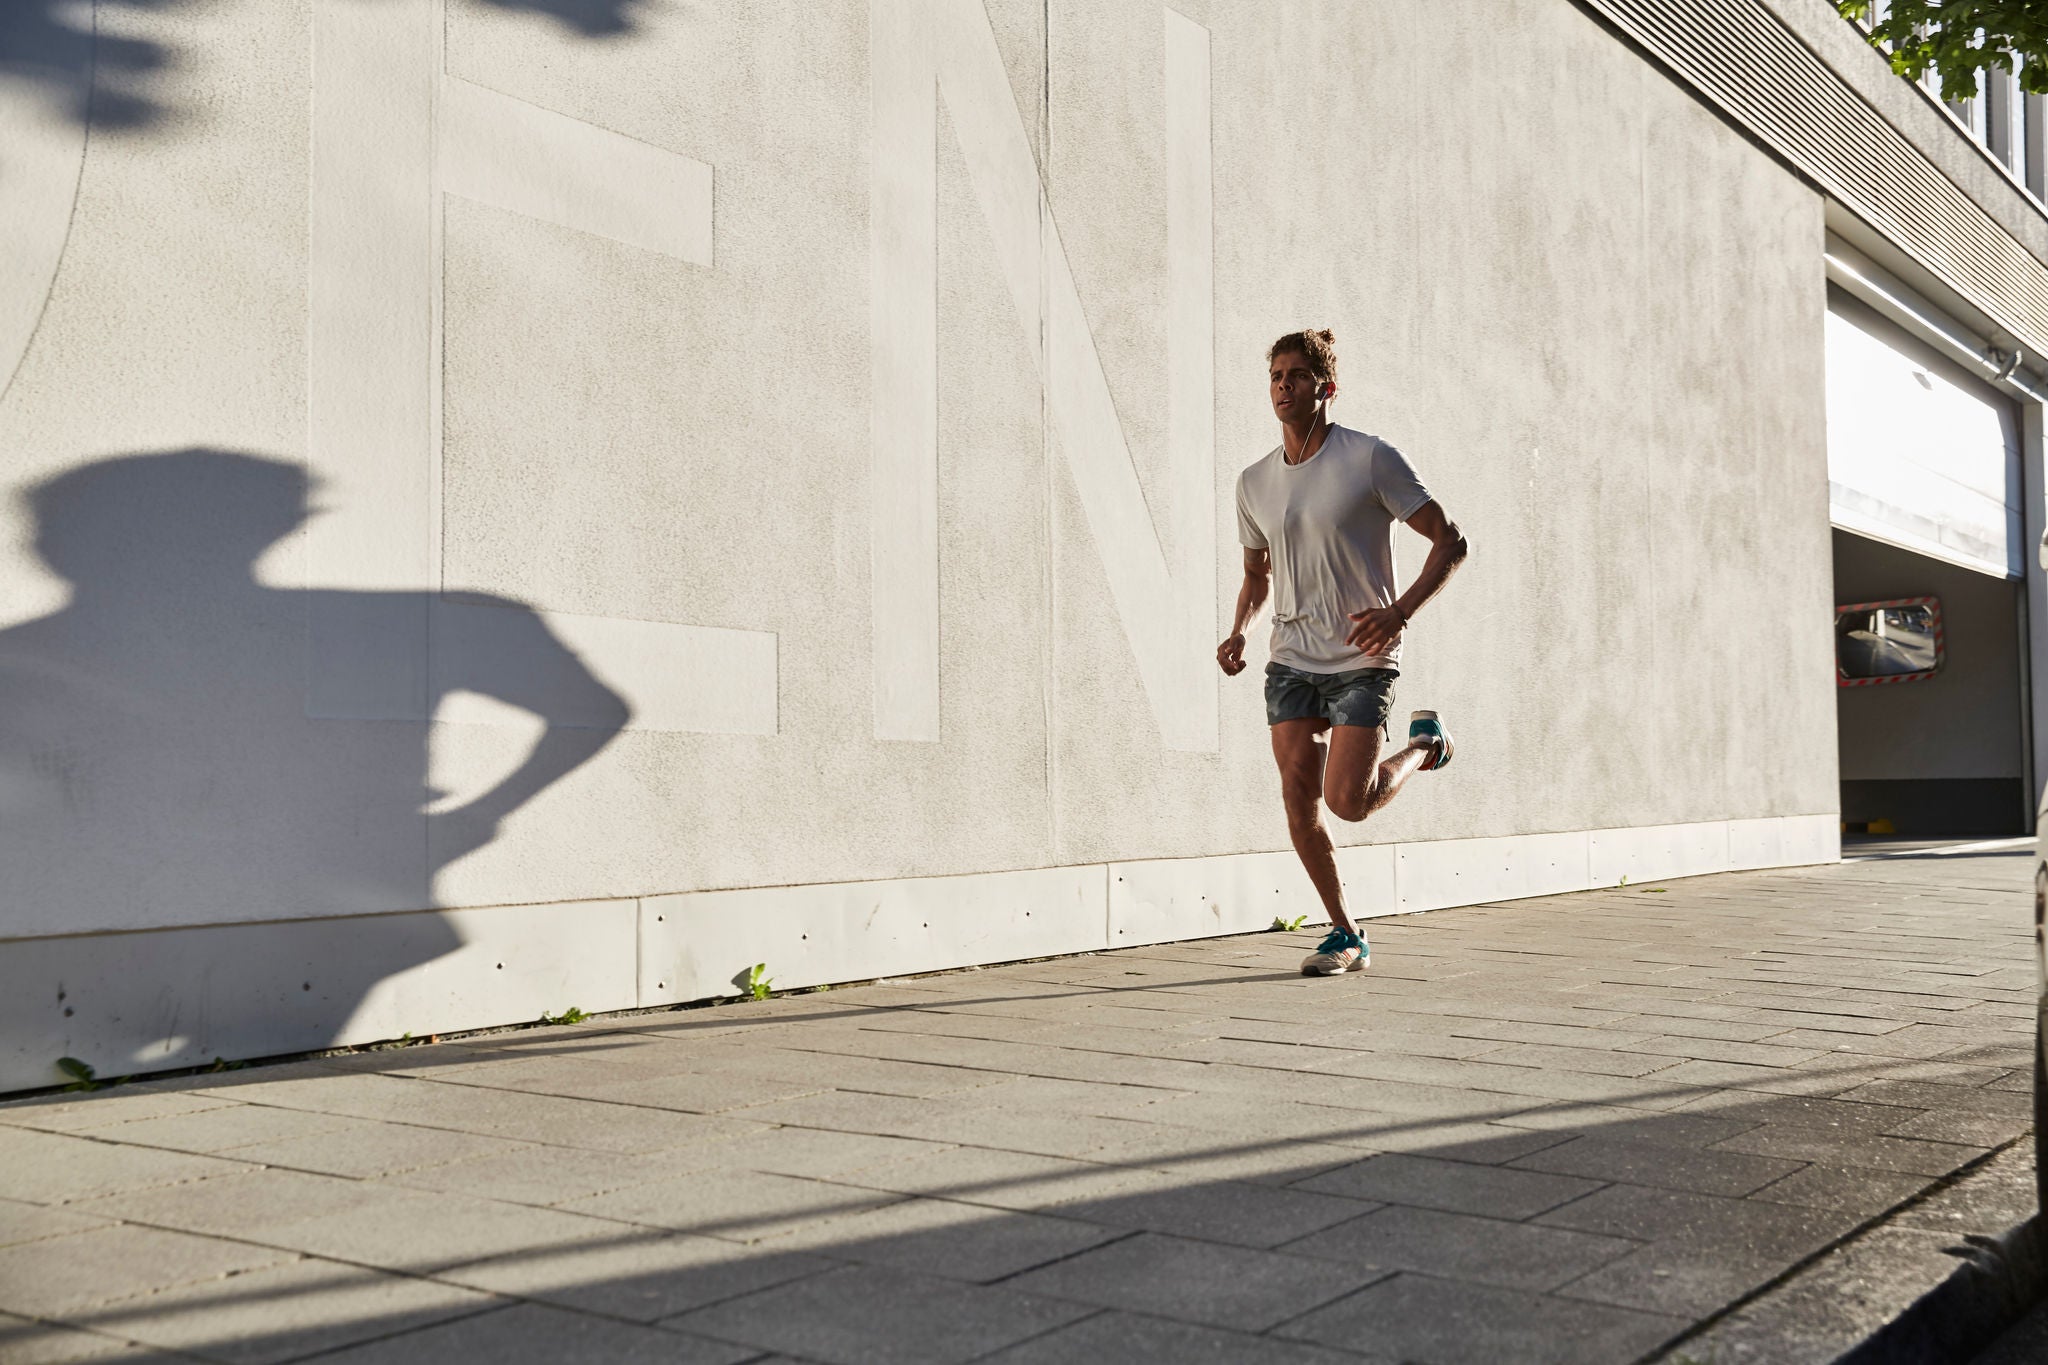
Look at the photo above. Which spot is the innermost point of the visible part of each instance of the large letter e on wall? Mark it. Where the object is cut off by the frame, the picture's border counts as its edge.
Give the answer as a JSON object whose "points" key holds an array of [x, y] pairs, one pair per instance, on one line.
{"points": [[392, 133]]}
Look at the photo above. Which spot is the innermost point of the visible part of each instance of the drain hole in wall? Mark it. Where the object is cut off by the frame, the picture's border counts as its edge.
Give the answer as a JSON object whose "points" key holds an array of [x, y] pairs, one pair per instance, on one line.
{"points": [[501, 966], [305, 985], [67, 1011]]}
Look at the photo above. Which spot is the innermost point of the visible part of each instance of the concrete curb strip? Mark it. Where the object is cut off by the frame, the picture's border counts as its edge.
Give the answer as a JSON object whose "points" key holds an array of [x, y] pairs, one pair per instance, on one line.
{"points": [[1938, 1277], [1997, 1285]]}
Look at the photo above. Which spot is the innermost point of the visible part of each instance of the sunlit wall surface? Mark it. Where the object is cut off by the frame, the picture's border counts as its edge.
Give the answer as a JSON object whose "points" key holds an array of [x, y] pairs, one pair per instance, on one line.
{"points": [[518, 505]]}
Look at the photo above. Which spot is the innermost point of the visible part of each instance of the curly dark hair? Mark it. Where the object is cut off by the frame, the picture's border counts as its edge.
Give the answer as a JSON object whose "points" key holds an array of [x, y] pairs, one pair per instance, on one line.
{"points": [[1317, 346]]}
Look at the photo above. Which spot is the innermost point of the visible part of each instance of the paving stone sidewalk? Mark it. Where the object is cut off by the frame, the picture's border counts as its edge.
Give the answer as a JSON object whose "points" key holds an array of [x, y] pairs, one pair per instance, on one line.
{"points": [[1577, 1129]]}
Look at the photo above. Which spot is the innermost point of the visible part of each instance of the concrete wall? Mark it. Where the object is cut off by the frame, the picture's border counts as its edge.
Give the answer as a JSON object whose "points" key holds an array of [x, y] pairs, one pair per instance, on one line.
{"points": [[731, 474]]}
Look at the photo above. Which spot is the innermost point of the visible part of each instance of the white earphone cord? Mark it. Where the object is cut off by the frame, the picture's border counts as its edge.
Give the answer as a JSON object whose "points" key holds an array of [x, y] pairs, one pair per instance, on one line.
{"points": [[1322, 401]]}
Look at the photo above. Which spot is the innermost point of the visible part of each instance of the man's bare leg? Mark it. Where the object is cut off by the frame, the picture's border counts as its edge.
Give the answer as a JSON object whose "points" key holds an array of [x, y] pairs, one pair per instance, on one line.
{"points": [[1355, 782], [1298, 750], [1347, 775]]}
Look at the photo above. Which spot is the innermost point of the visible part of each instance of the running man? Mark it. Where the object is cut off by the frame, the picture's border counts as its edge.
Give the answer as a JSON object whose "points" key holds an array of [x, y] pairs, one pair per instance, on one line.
{"points": [[1317, 516]]}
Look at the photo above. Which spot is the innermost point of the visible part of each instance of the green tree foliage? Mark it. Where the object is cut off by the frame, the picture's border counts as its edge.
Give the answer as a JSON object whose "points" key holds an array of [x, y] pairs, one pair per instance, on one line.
{"points": [[1956, 39]]}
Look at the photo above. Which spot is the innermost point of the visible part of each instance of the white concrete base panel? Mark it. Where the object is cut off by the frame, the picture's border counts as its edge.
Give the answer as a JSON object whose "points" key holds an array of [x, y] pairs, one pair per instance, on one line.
{"points": [[155, 1001]]}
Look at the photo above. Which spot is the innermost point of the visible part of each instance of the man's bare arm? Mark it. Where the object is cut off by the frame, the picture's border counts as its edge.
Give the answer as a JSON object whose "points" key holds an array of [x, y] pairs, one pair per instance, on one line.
{"points": [[1374, 631], [1251, 597]]}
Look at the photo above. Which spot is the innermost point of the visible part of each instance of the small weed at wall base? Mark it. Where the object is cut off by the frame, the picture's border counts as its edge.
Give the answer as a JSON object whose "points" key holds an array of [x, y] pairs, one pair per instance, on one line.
{"points": [[83, 1077]]}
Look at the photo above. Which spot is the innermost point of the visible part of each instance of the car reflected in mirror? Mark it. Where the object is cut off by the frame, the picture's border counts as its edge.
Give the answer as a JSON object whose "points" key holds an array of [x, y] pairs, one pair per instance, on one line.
{"points": [[1886, 642]]}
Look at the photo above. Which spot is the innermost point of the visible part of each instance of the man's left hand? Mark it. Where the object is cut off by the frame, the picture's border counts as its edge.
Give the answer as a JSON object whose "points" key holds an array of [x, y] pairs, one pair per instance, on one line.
{"points": [[1374, 630]]}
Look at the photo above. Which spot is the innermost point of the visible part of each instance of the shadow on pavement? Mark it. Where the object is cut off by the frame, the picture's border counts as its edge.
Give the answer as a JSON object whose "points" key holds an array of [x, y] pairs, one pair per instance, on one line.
{"points": [[1056, 1167]]}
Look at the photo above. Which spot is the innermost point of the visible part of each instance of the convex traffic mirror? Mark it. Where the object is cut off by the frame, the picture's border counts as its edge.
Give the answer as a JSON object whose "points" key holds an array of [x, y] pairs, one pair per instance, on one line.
{"points": [[1888, 642]]}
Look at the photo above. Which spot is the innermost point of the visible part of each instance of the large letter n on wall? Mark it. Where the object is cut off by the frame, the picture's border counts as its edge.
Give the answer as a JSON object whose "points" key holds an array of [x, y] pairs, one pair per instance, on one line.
{"points": [[921, 50]]}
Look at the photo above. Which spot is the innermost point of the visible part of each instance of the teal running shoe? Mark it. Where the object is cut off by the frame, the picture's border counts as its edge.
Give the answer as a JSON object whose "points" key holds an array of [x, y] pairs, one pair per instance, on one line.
{"points": [[1424, 725], [1339, 952]]}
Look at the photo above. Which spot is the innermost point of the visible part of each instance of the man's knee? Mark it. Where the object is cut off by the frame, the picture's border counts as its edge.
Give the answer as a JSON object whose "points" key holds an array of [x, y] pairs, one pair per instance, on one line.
{"points": [[1302, 794], [1301, 806], [1351, 806]]}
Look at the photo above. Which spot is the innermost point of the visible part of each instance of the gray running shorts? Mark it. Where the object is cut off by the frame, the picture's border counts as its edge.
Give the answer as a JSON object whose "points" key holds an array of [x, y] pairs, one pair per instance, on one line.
{"points": [[1363, 696]]}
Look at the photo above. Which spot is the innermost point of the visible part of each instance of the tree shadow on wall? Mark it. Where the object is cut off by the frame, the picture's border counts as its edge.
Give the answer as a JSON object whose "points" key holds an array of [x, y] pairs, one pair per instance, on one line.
{"points": [[158, 765], [64, 51], [589, 18], [55, 49]]}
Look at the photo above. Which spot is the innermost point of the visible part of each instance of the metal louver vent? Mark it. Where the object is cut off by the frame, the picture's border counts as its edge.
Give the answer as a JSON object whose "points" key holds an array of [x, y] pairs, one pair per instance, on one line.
{"points": [[1743, 58]]}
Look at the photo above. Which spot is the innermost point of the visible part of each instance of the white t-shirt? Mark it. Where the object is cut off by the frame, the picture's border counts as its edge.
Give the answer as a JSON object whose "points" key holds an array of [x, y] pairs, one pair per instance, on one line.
{"points": [[1328, 522]]}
